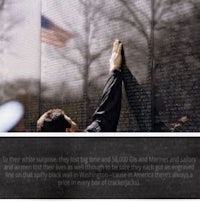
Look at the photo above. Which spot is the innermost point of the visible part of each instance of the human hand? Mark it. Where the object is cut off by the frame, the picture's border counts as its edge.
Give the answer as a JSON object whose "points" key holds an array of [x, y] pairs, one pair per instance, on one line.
{"points": [[116, 57]]}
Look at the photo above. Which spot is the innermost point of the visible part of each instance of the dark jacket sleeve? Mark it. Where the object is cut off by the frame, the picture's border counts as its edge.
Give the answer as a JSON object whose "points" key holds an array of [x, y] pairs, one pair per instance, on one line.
{"points": [[106, 117]]}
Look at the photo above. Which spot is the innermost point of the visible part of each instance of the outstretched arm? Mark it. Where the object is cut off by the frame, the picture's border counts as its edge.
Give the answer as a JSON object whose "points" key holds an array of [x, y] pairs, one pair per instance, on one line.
{"points": [[106, 117]]}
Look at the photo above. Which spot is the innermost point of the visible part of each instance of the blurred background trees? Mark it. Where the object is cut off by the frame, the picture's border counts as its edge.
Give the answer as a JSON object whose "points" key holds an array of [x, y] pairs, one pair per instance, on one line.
{"points": [[161, 40]]}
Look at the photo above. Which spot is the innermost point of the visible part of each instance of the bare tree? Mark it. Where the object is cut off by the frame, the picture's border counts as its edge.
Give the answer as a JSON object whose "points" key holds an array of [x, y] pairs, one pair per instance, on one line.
{"points": [[177, 58], [145, 21], [82, 47]]}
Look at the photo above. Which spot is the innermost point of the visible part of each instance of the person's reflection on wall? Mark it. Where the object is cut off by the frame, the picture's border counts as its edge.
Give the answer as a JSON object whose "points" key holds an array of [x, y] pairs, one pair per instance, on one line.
{"points": [[140, 102]]}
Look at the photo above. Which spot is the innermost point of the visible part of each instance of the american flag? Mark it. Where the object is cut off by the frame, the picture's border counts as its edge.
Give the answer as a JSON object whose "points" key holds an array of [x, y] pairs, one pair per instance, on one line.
{"points": [[53, 34]]}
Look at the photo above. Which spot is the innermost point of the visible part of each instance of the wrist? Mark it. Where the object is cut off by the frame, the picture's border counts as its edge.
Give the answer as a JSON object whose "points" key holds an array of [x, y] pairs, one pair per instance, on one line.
{"points": [[112, 68]]}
